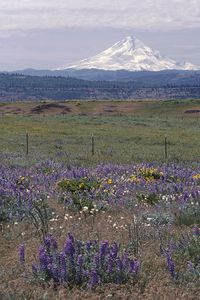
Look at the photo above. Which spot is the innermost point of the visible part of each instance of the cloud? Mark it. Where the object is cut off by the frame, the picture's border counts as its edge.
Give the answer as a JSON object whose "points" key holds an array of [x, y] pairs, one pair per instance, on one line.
{"points": [[127, 14]]}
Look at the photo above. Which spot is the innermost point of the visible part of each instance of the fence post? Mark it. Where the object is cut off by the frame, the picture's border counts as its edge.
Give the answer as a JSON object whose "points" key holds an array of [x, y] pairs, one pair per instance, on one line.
{"points": [[166, 154], [27, 143], [92, 141]]}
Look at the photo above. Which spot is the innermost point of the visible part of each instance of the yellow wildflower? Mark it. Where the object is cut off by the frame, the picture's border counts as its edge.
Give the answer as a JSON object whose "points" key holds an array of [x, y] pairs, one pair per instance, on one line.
{"points": [[81, 185], [134, 178]]}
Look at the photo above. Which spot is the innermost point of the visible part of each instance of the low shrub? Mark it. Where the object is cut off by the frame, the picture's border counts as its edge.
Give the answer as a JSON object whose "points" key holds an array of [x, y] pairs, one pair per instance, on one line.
{"points": [[79, 191]]}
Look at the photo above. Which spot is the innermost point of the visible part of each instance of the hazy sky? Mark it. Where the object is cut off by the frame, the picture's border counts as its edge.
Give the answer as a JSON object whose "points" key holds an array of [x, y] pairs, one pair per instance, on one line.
{"points": [[51, 33]]}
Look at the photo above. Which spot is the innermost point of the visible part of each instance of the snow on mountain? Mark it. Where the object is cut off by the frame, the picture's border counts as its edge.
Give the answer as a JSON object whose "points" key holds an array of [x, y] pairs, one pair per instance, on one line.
{"points": [[130, 54]]}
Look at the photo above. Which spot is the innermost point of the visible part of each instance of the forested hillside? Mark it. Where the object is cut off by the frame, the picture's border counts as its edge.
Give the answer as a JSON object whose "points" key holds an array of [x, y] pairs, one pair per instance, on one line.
{"points": [[15, 87]]}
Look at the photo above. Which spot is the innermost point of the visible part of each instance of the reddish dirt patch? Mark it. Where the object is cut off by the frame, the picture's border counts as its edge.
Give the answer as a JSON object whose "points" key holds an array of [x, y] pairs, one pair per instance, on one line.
{"points": [[192, 111], [123, 108], [33, 108], [53, 108]]}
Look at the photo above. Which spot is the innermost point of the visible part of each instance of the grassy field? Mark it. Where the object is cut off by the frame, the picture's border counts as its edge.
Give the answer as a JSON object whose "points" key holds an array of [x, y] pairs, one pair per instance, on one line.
{"points": [[123, 131], [72, 228]]}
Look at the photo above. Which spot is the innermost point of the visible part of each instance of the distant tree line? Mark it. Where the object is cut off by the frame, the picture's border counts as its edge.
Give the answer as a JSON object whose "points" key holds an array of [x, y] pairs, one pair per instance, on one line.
{"points": [[22, 87]]}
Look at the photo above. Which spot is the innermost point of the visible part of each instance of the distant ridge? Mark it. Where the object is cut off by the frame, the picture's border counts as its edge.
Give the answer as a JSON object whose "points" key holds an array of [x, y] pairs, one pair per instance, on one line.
{"points": [[119, 75]]}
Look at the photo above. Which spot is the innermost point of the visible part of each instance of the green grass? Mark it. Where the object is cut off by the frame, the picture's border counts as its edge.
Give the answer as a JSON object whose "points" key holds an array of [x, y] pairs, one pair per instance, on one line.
{"points": [[118, 138]]}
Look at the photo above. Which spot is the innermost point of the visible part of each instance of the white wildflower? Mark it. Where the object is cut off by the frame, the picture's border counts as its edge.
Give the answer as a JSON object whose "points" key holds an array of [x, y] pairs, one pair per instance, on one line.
{"points": [[85, 208]]}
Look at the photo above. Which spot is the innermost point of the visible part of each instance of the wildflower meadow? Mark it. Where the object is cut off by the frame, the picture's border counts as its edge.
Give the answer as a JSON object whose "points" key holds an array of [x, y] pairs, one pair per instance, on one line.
{"points": [[86, 229]]}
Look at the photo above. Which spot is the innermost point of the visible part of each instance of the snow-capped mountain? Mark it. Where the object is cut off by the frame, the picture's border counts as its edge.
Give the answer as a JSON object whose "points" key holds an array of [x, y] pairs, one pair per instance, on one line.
{"points": [[130, 54]]}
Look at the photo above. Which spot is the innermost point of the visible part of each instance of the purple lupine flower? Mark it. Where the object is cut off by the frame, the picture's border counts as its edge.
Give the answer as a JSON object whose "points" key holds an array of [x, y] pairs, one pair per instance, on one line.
{"points": [[47, 242], [71, 265], [88, 246], [70, 237], [63, 267], [103, 251], [134, 266], [80, 261], [103, 248], [96, 261], [110, 265], [43, 258], [34, 270], [79, 245], [185, 196], [69, 246], [170, 264], [22, 254], [114, 250], [79, 268], [119, 264], [94, 279], [196, 231], [54, 272], [125, 260], [30, 202]]}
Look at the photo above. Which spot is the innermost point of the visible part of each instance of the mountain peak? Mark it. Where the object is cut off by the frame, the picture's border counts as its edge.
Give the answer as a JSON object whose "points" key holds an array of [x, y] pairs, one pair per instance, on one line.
{"points": [[128, 44], [130, 54], [133, 42]]}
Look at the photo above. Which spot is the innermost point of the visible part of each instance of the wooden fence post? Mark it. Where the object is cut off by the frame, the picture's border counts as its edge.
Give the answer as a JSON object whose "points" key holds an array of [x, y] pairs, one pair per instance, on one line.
{"points": [[166, 150], [92, 141], [27, 143]]}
